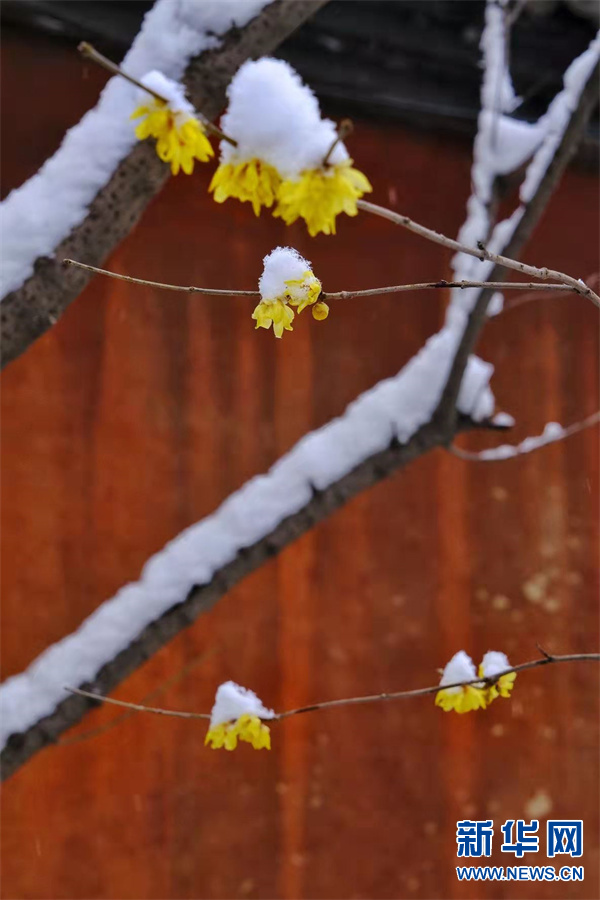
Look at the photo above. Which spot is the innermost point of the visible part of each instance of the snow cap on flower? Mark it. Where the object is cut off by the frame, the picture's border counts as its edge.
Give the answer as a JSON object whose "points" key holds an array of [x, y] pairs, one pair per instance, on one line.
{"points": [[275, 118], [284, 152], [462, 698], [492, 663], [180, 137], [237, 716], [172, 91], [232, 701], [281, 265], [287, 281], [460, 668]]}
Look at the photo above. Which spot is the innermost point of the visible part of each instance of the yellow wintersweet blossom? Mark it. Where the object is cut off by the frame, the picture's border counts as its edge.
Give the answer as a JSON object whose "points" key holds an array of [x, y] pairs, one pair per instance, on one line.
{"points": [[320, 311], [274, 311], [253, 181], [319, 195], [304, 291], [462, 699], [246, 728], [180, 138], [492, 664]]}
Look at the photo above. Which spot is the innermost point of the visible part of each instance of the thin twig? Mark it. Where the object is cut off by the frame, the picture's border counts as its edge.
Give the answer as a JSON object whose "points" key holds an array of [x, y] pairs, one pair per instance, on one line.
{"points": [[339, 295], [430, 285], [216, 292], [480, 252], [122, 717], [89, 52], [137, 706], [547, 659], [527, 446], [345, 128]]}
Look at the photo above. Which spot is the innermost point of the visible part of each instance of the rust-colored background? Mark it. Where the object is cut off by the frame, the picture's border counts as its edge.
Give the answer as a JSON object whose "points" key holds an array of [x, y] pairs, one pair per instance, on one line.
{"points": [[141, 411]]}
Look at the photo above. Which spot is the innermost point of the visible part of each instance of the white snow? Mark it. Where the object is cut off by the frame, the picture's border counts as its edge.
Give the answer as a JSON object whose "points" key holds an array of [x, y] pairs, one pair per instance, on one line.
{"points": [[552, 432], [504, 420], [396, 407], [555, 121], [275, 117], [503, 144], [495, 99], [460, 668], [513, 141], [280, 265], [232, 701], [494, 662], [496, 304], [37, 216], [171, 91]]}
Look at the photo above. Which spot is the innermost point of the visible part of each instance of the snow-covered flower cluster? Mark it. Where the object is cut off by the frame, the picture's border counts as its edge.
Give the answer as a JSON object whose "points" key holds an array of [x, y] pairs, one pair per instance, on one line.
{"points": [[287, 281], [238, 714], [467, 697], [180, 138], [285, 154]]}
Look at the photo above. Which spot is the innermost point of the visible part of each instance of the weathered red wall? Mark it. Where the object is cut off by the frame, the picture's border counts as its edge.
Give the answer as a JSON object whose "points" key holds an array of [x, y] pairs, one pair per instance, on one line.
{"points": [[141, 411]]}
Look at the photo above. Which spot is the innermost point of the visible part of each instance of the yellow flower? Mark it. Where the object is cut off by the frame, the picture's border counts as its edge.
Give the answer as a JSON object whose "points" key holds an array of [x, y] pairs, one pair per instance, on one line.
{"points": [[319, 195], [502, 687], [180, 138], [247, 728], [304, 291], [462, 699], [320, 311], [275, 311], [254, 181]]}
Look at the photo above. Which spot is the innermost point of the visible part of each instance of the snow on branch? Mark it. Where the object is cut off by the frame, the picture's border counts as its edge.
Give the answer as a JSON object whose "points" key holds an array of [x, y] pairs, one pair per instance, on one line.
{"points": [[102, 175], [386, 417], [40, 214], [387, 427], [503, 145], [552, 433]]}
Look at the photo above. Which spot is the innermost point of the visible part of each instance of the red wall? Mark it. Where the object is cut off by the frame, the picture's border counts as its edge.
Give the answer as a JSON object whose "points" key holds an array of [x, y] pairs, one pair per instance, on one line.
{"points": [[141, 411]]}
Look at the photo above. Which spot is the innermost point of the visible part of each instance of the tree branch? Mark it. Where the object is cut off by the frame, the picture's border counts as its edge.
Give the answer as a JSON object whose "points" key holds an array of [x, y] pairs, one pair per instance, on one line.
{"points": [[546, 660], [22, 746], [326, 295], [31, 310], [532, 213]]}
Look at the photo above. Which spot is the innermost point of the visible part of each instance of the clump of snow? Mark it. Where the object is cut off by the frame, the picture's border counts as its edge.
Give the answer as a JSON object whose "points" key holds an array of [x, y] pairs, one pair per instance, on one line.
{"points": [[512, 141], [503, 144], [275, 117], [232, 701], [171, 91], [493, 663], [395, 408], [496, 304], [552, 432], [460, 668], [504, 420], [556, 119], [280, 265], [37, 216]]}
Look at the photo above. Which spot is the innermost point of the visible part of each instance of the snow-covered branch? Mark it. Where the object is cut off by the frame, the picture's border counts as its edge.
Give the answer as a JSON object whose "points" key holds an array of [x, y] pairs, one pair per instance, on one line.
{"points": [[552, 433], [103, 176], [382, 430], [442, 390]]}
